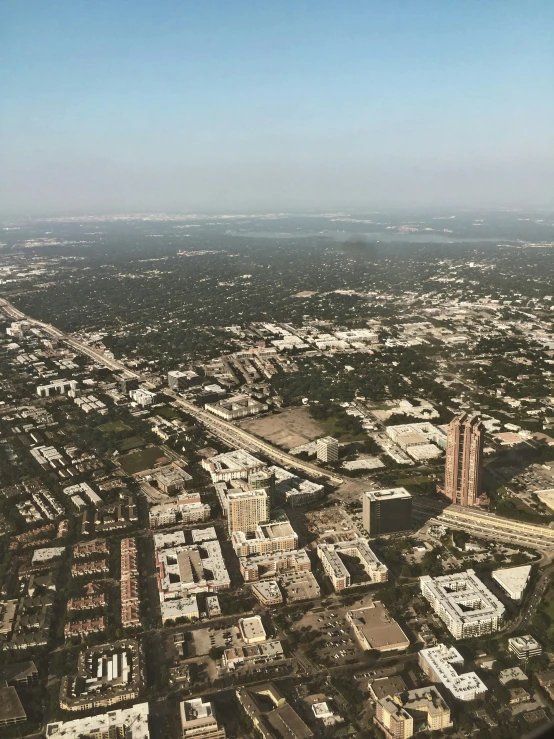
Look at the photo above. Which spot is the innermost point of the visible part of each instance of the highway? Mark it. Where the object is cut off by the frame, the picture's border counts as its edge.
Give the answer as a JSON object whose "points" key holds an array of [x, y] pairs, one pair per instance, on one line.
{"points": [[224, 430]]}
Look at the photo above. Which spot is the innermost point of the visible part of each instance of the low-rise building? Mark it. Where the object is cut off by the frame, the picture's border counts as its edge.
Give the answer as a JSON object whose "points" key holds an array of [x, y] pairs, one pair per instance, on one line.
{"points": [[106, 675], [512, 674], [19, 674], [271, 565], [131, 723], [198, 720], [374, 628], [293, 490], [11, 710], [513, 580], [83, 628], [177, 608], [273, 536], [264, 652], [299, 586], [270, 713], [234, 465], [336, 570], [213, 608], [524, 647], [267, 592], [236, 406], [437, 663], [252, 630]]}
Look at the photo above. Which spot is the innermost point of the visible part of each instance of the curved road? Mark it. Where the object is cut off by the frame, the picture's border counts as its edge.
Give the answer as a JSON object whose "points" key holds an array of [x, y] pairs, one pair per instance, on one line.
{"points": [[225, 430]]}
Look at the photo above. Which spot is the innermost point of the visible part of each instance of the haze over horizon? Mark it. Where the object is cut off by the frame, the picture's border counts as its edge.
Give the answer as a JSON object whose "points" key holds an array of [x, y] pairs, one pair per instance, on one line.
{"points": [[114, 106]]}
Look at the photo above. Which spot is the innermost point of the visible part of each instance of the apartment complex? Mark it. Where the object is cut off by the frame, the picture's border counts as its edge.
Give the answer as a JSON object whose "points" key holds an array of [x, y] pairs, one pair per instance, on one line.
{"points": [[186, 508], [131, 723], [395, 714], [274, 536], [464, 603], [437, 663], [270, 713], [267, 592], [234, 465], [270, 565], [185, 570], [387, 511], [106, 675], [464, 460], [58, 387], [238, 406], [336, 570], [246, 509], [142, 397]]}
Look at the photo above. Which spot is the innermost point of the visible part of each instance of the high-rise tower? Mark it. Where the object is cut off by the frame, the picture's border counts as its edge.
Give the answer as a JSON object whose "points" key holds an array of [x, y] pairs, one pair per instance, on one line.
{"points": [[246, 509], [464, 460]]}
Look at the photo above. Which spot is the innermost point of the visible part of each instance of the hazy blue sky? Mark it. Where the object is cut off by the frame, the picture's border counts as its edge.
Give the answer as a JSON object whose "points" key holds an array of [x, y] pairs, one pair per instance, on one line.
{"points": [[267, 105]]}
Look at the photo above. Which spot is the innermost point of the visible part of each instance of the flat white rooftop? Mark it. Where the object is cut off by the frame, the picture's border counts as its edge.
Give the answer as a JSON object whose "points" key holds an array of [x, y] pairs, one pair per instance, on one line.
{"points": [[441, 658], [462, 596], [513, 580], [132, 723], [43, 555]]}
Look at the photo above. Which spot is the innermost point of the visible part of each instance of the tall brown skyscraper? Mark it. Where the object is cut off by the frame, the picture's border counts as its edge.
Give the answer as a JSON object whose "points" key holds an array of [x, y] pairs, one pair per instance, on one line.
{"points": [[464, 460]]}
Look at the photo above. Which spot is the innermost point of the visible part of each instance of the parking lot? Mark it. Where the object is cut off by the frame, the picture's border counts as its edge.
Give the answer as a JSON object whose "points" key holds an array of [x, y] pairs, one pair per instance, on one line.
{"points": [[205, 639], [332, 635]]}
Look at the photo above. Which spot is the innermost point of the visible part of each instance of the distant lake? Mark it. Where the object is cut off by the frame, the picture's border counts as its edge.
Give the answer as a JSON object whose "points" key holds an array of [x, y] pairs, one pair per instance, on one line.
{"points": [[419, 237]]}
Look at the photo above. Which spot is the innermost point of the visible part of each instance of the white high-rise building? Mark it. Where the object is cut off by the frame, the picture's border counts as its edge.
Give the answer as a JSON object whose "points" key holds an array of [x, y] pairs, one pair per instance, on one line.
{"points": [[327, 449]]}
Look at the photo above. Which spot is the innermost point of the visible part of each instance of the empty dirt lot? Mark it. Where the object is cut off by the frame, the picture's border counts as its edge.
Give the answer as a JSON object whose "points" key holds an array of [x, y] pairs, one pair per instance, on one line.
{"points": [[287, 429]]}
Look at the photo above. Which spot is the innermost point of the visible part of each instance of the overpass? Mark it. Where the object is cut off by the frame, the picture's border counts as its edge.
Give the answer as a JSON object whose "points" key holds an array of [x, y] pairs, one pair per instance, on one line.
{"points": [[490, 526], [224, 430], [236, 436]]}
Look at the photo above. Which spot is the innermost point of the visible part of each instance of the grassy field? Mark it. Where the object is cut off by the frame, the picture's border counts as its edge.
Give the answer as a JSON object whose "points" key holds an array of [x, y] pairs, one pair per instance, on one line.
{"points": [[168, 412], [114, 427], [131, 442], [143, 460]]}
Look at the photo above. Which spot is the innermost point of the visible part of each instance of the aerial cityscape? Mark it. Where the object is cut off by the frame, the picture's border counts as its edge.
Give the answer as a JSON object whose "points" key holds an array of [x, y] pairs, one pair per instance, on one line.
{"points": [[277, 371]]}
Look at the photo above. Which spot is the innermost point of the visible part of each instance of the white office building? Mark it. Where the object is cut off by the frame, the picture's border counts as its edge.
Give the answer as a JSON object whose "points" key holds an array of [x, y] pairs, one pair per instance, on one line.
{"points": [[327, 449]]}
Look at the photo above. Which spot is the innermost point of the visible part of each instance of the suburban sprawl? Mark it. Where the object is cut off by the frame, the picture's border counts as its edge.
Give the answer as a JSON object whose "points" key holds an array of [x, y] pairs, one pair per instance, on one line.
{"points": [[277, 476]]}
